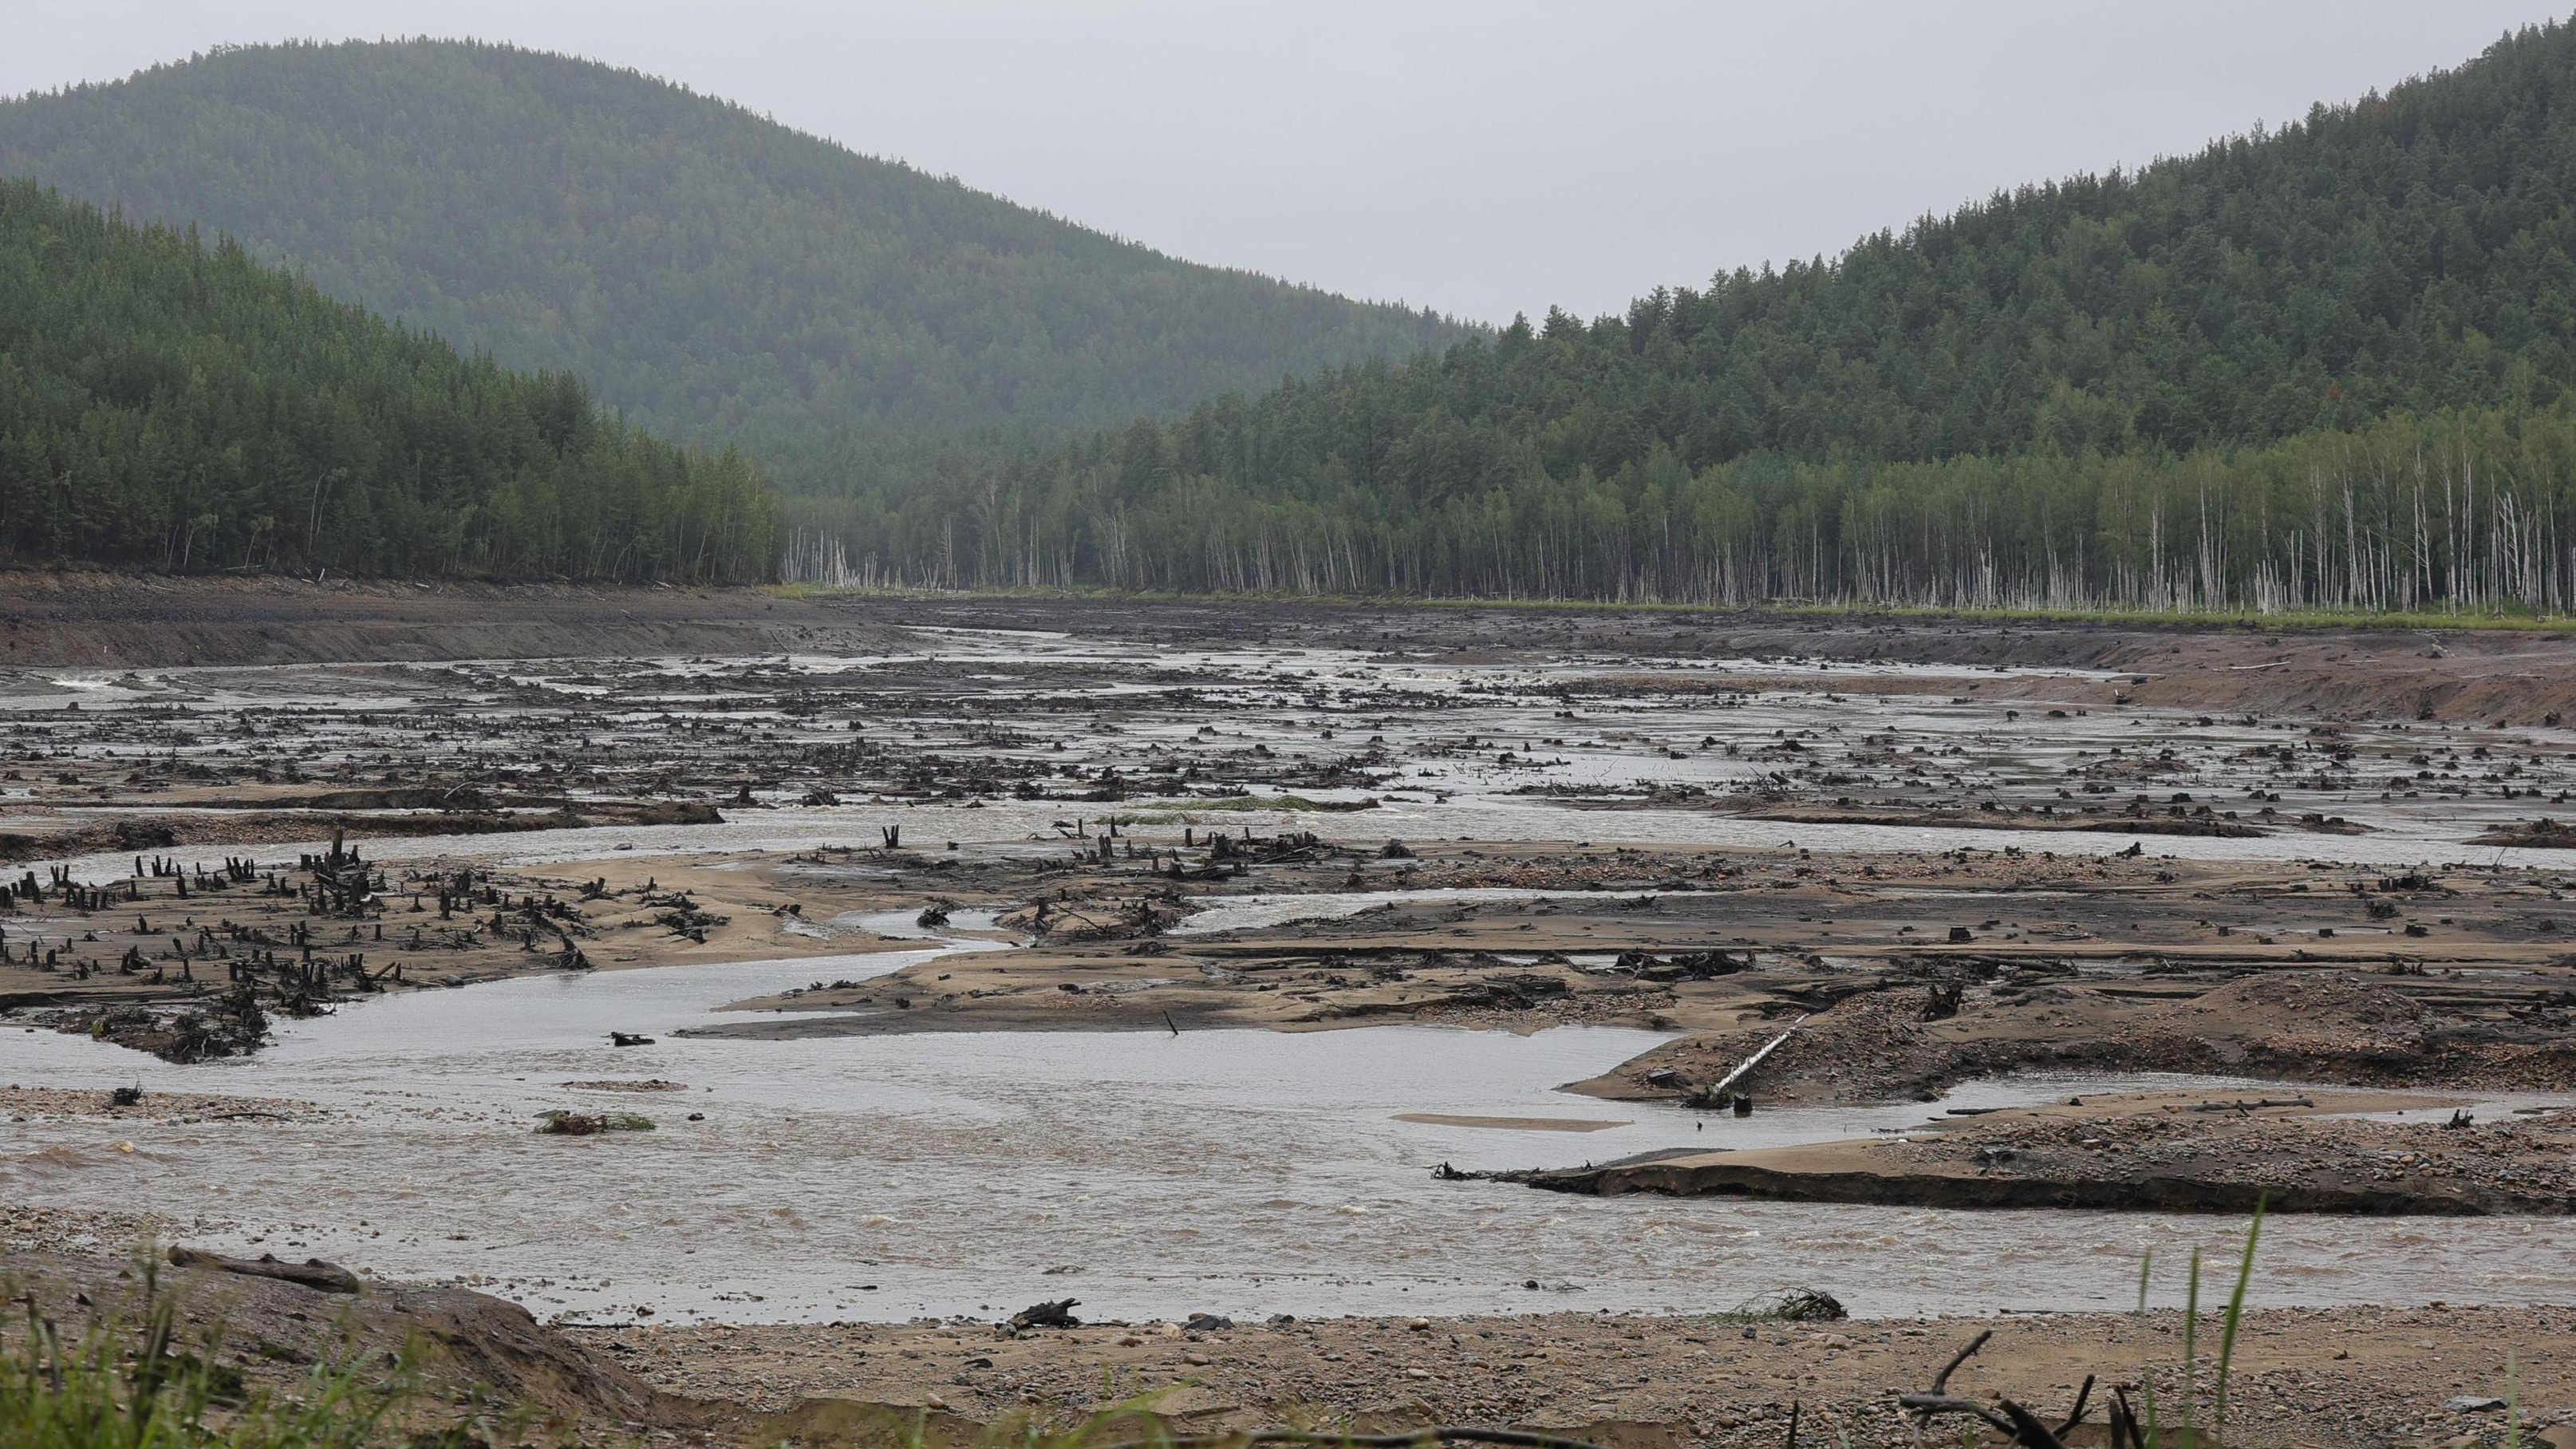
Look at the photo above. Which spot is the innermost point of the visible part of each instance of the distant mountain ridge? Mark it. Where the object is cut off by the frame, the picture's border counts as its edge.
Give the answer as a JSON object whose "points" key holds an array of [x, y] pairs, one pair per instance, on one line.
{"points": [[2326, 364], [852, 321]]}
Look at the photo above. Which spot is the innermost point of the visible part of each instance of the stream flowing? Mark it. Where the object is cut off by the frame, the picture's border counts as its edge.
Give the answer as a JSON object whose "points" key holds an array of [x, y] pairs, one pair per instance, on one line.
{"points": [[1242, 1172]]}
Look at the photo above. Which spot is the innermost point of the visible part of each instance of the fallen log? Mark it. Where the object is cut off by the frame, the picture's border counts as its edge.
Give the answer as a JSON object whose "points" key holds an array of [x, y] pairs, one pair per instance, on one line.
{"points": [[1054, 1313], [2020, 1426], [1717, 1094], [311, 1273]]}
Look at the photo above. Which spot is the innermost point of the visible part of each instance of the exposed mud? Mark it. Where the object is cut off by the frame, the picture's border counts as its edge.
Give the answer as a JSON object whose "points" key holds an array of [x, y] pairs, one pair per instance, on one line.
{"points": [[1914, 855], [2504, 1031], [2169, 1152], [1908, 980]]}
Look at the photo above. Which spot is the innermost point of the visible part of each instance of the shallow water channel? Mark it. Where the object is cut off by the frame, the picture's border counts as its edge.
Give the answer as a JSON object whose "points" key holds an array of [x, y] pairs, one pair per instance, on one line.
{"points": [[1151, 1174], [1147, 1174]]}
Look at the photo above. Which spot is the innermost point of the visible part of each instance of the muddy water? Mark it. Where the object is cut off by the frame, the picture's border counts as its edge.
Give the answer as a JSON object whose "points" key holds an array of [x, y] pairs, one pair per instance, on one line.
{"points": [[1236, 1172], [1241, 1172]]}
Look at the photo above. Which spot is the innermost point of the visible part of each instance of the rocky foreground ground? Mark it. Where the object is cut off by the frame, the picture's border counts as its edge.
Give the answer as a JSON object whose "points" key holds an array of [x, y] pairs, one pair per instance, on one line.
{"points": [[2314, 1379], [2345, 1377]]}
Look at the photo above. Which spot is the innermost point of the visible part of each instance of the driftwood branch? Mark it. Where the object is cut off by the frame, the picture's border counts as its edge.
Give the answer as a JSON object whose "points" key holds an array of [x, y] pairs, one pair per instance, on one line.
{"points": [[1054, 1313], [1727, 1083], [1941, 1380], [2075, 1416], [2024, 1427], [2028, 1431], [2124, 1422], [311, 1273], [1927, 1407]]}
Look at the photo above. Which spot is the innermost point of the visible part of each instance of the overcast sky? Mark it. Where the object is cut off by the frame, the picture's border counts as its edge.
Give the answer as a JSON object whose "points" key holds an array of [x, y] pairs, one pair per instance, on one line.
{"points": [[1482, 157]]}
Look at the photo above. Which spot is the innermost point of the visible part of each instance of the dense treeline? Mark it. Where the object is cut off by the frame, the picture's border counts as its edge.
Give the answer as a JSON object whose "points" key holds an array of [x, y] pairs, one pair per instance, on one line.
{"points": [[2464, 509], [852, 322], [174, 405], [2320, 364]]}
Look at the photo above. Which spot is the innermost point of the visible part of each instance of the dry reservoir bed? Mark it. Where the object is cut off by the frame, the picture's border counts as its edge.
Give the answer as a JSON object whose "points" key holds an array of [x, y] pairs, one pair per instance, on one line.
{"points": [[976, 964]]}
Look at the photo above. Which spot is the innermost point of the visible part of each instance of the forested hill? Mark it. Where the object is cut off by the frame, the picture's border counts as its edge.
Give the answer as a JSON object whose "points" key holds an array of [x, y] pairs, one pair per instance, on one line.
{"points": [[710, 272], [2319, 364], [175, 405]]}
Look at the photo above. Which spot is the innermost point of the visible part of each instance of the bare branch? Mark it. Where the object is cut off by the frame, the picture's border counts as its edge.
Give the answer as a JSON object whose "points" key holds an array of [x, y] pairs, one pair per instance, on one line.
{"points": [[1941, 1380]]}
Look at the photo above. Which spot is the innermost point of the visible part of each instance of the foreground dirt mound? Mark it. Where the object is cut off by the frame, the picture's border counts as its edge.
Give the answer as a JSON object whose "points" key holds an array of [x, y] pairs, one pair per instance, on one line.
{"points": [[475, 1351]]}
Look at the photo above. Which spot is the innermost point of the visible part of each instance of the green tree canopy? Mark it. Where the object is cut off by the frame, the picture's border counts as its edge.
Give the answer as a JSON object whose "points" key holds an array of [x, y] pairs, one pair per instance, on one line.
{"points": [[170, 404], [2317, 363]]}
